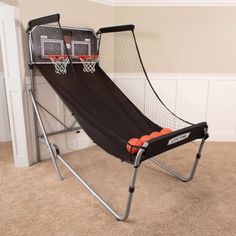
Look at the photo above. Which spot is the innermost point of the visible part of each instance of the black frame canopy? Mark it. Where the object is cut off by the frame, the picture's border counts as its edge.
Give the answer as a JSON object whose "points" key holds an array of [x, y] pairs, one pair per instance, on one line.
{"points": [[81, 90]]}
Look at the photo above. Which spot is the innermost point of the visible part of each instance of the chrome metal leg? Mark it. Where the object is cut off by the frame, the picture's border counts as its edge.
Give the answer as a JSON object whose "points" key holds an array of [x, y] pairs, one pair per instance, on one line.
{"points": [[45, 135], [120, 217], [35, 118], [175, 173], [54, 155]]}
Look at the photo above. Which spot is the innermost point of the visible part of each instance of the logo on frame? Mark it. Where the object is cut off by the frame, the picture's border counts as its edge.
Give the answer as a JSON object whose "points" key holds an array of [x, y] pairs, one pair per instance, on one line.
{"points": [[178, 138]]}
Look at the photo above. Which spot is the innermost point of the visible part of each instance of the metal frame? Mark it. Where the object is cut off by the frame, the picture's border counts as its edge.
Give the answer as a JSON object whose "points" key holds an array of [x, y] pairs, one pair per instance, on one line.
{"points": [[55, 152], [118, 216], [49, 145], [177, 174], [55, 155]]}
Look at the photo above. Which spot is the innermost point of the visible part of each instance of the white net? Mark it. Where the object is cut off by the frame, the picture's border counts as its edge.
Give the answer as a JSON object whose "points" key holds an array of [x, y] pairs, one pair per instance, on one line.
{"points": [[60, 63], [89, 63], [120, 60]]}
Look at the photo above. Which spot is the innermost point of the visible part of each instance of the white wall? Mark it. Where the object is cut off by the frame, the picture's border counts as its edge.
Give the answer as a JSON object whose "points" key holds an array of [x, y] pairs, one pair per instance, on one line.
{"points": [[10, 2], [184, 39]]}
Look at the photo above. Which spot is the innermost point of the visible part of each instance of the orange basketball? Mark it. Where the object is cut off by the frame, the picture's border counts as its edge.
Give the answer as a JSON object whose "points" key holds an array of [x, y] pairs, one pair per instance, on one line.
{"points": [[145, 138], [165, 131], [155, 134], [133, 142]]}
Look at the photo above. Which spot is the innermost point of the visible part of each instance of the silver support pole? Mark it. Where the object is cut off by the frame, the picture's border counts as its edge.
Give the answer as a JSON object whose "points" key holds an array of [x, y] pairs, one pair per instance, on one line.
{"points": [[61, 131], [35, 118], [70, 128], [120, 217], [45, 135], [72, 125], [45, 109], [175, 173], [54, 147]]}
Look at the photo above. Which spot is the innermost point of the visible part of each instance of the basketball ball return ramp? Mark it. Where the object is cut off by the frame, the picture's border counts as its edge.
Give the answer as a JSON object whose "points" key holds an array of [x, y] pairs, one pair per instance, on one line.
{"points": [[100, 78]]}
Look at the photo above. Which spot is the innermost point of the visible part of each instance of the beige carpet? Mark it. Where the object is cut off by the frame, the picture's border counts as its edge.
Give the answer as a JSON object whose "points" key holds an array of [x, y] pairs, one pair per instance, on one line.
{"points": [[34, 202]]}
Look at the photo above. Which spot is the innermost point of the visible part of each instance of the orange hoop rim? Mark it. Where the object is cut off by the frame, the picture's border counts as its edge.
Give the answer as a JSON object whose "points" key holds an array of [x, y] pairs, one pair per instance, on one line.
{"points": [[88, 57], [63, 56]]}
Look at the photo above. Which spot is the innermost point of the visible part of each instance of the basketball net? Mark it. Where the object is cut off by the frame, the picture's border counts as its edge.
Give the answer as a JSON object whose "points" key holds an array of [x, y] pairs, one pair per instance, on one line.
{"points": [[60, 63], [89, 62]]}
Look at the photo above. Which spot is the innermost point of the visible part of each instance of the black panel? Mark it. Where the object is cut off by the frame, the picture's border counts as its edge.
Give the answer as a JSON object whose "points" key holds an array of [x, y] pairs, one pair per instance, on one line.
{"points": [[162, 143], [118, 28], [43, 20], [48, 40]]}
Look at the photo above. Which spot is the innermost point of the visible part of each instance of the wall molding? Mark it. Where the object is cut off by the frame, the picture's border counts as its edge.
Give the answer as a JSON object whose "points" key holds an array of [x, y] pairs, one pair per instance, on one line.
{"points": [[167, 2], [200, 97]]}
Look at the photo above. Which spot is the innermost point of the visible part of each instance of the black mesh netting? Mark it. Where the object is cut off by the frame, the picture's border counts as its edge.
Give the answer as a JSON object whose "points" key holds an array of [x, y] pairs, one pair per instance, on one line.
{"points": [[116, 102]]}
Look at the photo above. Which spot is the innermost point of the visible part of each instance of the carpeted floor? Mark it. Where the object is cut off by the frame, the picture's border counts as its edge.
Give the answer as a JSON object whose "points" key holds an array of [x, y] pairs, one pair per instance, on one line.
{"points": [[34, 202]]}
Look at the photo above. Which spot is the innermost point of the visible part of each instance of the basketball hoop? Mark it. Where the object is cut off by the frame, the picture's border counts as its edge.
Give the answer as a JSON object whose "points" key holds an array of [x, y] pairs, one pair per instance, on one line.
{"points": [[89, 62], [60, 63]]}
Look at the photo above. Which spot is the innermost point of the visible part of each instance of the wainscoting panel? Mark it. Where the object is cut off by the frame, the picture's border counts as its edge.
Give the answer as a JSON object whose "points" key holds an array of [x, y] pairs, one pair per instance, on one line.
{"points": [[192, 100], [196, 98], [223, 109], [166, 90]]}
